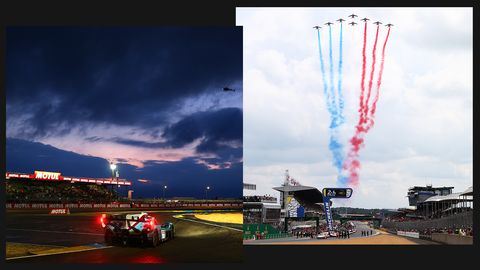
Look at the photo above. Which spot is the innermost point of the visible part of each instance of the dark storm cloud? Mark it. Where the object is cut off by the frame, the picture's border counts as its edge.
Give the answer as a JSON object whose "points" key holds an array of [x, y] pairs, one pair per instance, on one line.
{"points": [[139, 143], [212, 127], [220, 133], [124, 76]]}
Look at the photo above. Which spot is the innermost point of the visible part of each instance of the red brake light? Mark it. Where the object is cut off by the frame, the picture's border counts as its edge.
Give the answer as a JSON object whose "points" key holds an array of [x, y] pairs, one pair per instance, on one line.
{"points": [[102, 220]]}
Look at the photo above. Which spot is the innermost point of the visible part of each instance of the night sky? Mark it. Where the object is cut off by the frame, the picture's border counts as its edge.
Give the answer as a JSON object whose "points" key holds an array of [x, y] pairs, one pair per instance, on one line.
{"points": [[150, 99]]}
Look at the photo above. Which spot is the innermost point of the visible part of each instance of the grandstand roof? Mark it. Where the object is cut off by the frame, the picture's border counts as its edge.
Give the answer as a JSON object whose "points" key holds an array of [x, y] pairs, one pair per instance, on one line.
{"points": [[468, 191], [304, 193], [450, 197]]}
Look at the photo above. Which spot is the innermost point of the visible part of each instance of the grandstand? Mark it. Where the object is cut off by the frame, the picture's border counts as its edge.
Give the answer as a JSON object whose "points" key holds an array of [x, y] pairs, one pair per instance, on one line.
{"points": [[434, 210], [20, 191], [52, 187]]}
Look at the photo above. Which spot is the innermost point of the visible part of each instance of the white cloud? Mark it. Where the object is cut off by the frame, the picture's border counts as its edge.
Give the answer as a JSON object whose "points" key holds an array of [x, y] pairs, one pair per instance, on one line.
{"points": [[423, 129]]}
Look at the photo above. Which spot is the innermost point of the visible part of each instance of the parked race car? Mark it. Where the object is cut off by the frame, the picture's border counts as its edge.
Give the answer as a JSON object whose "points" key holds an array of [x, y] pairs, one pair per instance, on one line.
{"points": [[125, 228], [323, 235]]}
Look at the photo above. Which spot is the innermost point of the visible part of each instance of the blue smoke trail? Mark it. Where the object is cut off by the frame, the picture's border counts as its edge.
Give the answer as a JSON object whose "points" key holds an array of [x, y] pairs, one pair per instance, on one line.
{"points": [[340, 64], [330, 108], [334, 122], [335, 146]]}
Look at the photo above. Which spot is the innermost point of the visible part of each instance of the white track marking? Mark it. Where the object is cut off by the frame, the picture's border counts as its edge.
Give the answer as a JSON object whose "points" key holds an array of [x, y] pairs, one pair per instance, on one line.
{"points": [[211, 224], [44, 231]]}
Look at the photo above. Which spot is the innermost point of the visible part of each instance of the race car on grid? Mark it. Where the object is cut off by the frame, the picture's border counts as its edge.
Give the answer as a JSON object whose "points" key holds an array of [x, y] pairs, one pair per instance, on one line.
{"points": [[125, 228]]}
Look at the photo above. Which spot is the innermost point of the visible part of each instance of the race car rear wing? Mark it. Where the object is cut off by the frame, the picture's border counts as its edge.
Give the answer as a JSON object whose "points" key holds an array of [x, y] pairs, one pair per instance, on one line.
{"points": [[106, 218]]}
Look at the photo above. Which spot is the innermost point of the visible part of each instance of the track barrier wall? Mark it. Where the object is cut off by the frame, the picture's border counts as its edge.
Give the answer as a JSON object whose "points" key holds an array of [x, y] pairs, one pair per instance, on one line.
{"points": [[173, 205], [452, 239]]}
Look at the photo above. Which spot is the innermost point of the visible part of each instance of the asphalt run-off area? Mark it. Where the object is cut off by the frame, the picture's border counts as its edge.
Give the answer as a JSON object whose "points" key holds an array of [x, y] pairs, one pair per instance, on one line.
{"points": [[200, 236]]}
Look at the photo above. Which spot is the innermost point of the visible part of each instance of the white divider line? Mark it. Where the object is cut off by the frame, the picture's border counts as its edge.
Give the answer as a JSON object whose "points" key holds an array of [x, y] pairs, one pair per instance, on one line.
{"points": [[56, 253], [44, 231], [211, 224]]}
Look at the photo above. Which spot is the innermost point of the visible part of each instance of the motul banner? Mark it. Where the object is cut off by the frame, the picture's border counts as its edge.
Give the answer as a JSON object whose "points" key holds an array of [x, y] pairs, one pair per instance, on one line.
{"points": [[41, 175], [59, 211], [39, 205], [56, 176], [117, 205]]}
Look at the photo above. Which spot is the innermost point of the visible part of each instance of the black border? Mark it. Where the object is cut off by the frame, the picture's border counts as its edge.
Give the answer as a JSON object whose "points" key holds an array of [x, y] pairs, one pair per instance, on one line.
{"points": [[222, 12]]}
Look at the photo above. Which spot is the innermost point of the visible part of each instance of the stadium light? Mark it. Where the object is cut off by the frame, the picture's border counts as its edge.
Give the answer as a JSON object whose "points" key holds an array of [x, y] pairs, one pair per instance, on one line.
{"points": [[206, 192], [164, 188], [113, 167]]}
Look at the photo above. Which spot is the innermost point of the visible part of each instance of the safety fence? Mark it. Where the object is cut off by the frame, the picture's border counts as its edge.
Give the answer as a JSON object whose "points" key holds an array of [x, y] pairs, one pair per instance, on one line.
{"points": [[267, 236]]}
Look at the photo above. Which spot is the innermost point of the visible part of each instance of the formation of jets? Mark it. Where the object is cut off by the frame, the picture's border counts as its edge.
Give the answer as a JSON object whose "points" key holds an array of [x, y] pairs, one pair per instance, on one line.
{"points": [[353, 23]]}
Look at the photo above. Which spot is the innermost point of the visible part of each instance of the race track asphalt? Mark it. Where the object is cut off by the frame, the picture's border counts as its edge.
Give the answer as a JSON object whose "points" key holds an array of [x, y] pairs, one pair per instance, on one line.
{"points": [[194, 241]]}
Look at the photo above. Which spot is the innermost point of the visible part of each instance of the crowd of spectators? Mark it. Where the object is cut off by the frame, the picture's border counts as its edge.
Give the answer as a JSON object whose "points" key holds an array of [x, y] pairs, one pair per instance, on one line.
{"points": [[463, 230], [401, 219], [54, 192], [256, 198], [250, 217]]}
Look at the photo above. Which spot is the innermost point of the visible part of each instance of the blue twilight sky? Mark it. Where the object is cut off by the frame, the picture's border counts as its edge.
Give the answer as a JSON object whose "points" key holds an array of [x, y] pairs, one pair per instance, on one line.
{"points": [[150, 99]]}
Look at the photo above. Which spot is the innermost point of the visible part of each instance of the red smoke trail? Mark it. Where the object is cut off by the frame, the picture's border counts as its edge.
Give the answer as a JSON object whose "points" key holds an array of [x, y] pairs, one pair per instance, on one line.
{"points": [[352, 164], [364, 63], [379, 82], [370, 82]]}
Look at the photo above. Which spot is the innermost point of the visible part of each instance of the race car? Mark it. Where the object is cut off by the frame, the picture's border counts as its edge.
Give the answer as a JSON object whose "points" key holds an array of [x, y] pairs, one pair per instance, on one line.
{"points": [[323, 235], [125, 228]]}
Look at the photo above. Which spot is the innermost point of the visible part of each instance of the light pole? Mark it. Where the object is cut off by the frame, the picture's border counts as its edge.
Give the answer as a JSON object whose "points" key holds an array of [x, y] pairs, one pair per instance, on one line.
{"points": [[206, 192], [164, 188], [113, 167]]}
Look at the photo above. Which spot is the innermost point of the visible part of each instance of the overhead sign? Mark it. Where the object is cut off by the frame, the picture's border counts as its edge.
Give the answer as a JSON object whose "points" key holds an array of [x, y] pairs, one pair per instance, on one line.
{"points": [[47, 175], [337, 192]]}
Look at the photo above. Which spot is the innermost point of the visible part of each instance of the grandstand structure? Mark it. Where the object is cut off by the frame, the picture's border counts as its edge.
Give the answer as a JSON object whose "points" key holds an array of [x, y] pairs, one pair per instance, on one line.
{"points": [[299, 208], [435, 202], [53, 187], [259, 209], [56, 176], [434, 210]]}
